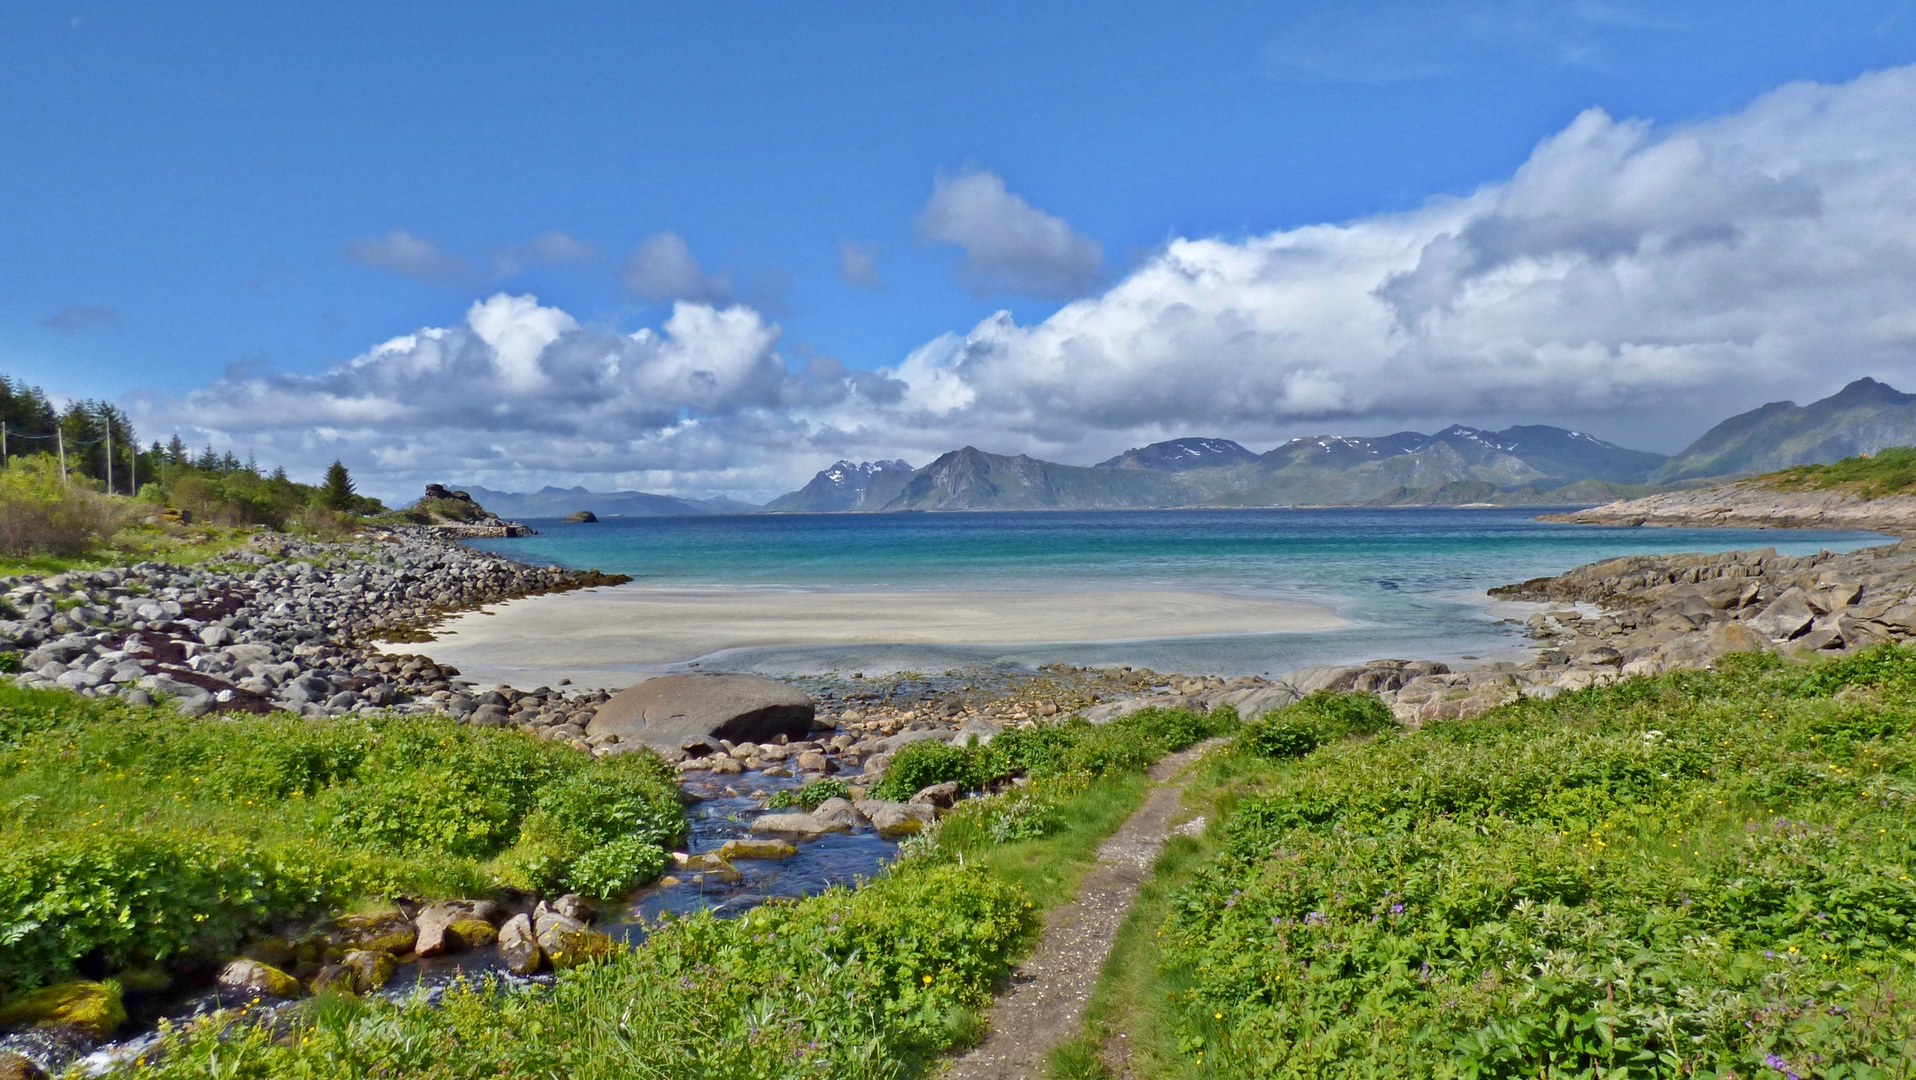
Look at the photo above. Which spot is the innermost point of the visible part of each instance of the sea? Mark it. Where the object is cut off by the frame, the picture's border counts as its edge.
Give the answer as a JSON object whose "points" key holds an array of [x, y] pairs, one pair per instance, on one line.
{"points": [[1410, 581]]}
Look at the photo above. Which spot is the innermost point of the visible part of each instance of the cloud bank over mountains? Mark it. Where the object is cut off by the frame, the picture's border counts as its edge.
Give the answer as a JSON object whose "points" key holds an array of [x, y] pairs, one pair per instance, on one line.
{"points": [[1640, 281]]}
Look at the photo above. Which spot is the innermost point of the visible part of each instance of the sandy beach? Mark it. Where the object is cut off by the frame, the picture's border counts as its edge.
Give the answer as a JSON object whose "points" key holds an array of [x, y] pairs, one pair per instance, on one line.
{"points": [[599, 635]]}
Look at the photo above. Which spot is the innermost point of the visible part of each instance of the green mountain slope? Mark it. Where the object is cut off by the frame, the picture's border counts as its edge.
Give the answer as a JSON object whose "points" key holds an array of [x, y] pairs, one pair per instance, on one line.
{"points": [[1862, 418]]}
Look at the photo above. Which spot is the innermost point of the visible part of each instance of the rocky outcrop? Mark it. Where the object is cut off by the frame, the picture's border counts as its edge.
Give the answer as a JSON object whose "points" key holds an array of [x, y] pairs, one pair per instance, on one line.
{"points": [[1664, 612], [1749, 504], [694, 713]]}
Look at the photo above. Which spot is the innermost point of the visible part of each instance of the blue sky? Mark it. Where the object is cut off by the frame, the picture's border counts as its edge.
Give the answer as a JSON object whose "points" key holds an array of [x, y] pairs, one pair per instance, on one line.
{"points": [[196, 192]]}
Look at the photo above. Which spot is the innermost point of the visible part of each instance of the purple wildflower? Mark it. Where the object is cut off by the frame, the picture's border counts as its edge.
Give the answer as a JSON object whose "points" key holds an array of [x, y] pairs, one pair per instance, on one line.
{"points": [[1777, 1063]]}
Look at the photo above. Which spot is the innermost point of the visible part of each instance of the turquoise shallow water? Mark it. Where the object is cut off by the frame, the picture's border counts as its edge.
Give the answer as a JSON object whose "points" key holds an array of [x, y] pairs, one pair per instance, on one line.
{"points": [[1411, 581]]}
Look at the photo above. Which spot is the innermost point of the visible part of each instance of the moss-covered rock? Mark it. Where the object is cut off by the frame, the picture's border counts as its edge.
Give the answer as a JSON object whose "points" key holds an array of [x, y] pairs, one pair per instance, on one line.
{"points": [[19, 1067], [91, 1007], [260, 978], [472, 933], [371, 970]]}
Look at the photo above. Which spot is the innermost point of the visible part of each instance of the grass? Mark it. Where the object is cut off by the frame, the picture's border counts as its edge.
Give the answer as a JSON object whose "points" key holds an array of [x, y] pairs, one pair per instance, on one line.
{"points": [[872, 982], [181, 545], [1700, 874], [1891, 471], [134, 836]]}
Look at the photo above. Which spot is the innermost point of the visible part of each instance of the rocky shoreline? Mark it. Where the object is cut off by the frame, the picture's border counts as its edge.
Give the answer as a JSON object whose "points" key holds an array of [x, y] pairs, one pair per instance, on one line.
{"points": [[283, 624], [1749, 504]]}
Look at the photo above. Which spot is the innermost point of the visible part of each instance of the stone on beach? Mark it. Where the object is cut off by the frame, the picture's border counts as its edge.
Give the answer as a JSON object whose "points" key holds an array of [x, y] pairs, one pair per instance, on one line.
{"points": [[677, 712]]}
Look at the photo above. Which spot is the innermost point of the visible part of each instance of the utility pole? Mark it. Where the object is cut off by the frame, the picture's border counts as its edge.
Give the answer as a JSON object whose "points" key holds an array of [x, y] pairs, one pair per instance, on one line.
{"points": [[109, 453], [133, 466], [60, 434], [3, 444]]}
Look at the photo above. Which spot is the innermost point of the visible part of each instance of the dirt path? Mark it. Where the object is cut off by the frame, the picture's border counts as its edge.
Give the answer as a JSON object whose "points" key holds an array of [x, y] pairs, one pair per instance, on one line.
{"points": [[1045, 1005]]}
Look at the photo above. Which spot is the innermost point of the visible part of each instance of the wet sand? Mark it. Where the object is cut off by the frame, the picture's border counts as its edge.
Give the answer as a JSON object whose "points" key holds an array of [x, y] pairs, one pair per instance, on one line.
{"points": [[597, 636]]}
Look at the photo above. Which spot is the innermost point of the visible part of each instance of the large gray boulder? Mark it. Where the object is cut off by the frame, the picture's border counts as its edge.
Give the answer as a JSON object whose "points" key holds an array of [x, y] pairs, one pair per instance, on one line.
{"points": [[693, 712]]}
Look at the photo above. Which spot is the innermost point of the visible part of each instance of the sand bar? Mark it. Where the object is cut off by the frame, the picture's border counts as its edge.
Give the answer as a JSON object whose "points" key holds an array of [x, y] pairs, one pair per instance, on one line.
{"points": [[590, 636]]}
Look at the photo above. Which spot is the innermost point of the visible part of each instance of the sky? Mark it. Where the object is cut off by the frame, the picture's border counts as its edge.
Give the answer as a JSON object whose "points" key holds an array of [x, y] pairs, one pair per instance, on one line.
{"points": [[708, 249]]}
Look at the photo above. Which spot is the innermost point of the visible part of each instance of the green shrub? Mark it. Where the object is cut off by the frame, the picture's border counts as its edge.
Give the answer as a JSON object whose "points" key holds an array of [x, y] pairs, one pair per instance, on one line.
{"points": [[810, 795], [616, 867], [43, 514], [10, 662], [1299, 728], [921, 764]]}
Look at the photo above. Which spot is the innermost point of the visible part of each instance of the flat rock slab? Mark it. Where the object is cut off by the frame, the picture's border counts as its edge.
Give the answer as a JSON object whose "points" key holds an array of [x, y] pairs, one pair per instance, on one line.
{"points": [[1049, 990], [675, 712]]}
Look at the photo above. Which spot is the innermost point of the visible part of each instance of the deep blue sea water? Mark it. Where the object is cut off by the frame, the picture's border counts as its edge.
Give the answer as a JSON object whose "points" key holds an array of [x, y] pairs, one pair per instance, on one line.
{"points": [[1411, 580]]}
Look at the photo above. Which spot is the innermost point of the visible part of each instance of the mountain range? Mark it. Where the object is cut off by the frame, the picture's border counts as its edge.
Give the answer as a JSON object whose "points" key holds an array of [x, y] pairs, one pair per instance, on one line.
{"points": [[1458, 465], [1862, 418]]}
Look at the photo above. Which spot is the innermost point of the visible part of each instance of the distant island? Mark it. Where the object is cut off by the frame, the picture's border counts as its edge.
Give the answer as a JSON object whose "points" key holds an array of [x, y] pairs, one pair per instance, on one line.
{"points": [[1458, 466]]}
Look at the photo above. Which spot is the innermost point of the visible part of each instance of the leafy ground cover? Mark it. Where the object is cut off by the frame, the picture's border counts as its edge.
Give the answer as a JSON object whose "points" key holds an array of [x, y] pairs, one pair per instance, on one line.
{"points": [[1886, 472], [1700, 874], [134, 836], [871, 982]]}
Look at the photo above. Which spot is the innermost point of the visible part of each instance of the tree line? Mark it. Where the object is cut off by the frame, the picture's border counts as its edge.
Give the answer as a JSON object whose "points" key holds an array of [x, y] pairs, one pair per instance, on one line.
{"points": [[97, 441]]}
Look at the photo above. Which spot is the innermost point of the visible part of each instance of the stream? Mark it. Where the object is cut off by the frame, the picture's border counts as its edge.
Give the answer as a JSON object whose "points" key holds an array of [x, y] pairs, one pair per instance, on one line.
{"points": [[724, 811]]}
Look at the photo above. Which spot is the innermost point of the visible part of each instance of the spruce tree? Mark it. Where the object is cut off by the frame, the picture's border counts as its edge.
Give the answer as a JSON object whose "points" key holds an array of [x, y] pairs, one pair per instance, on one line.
{"points": [[337, 491]]}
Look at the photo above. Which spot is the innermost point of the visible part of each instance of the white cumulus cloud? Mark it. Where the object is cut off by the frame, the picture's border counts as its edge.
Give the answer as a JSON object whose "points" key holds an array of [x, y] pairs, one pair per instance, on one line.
{"points": [[662, 268], [1635, 281], [403, 253], [1010, 246]]}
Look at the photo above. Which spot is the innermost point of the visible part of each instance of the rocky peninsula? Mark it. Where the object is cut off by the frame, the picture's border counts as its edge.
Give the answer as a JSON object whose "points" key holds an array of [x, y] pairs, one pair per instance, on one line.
{"points": [[1756, 504]]}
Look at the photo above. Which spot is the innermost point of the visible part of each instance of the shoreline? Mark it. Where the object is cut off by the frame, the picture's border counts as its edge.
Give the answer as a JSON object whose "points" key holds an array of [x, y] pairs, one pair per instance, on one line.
{"points": [[639, 628], [1749, 505]]}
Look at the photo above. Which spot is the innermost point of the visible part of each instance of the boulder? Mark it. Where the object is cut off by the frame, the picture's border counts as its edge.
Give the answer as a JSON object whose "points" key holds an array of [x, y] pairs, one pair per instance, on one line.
{"points": [[1786, 617], [519, 946], [756, 849], [370, 970], [676, 712], [895, 820], [337, 978], [839, 814], [251, 975], [1253, 702], [710, 864], [387, 932], [800, 825], [90, 1007], [19, 1067], [472, 933], [941, 796], [981, 729], [568, 942], [431, 926]]}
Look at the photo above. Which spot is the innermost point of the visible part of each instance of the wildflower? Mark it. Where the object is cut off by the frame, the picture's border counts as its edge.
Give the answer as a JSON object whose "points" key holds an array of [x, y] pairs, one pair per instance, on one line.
{"points": [[1780, 1065], [927, 980]]}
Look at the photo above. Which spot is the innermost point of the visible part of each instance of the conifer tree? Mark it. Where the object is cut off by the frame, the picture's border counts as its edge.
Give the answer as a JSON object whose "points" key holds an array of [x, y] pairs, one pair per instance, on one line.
{"points": [[337, 491]]}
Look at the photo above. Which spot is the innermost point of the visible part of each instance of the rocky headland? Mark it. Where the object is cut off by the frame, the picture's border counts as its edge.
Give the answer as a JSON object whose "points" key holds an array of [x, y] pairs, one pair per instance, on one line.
{"points": [[1755, 504]]}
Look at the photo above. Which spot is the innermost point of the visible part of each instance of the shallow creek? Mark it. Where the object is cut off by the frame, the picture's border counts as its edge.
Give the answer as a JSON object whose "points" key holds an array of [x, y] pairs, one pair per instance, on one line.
{"points": [[832, 859]]}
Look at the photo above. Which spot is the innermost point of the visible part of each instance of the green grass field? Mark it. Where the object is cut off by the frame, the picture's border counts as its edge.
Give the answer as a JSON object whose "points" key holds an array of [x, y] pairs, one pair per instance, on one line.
{"points": [[1701, 874], [1887, 472]]}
